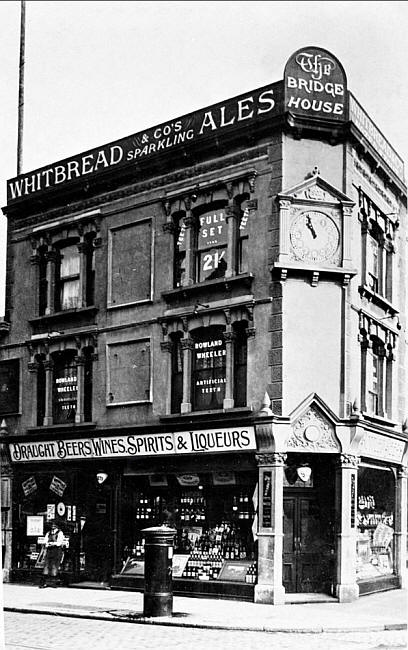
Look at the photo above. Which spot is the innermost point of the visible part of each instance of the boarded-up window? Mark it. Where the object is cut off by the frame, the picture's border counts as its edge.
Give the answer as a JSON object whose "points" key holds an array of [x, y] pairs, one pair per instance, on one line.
{"points": [[129, 372], [130, 263], [9, 386]]}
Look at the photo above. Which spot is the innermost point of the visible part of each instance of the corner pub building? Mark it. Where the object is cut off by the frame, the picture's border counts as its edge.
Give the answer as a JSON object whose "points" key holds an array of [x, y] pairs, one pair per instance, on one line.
{"points": [[205, 327]]}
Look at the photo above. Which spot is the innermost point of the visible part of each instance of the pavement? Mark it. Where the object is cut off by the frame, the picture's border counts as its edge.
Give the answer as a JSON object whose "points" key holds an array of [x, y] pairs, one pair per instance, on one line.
{"points": [[372, 613]]}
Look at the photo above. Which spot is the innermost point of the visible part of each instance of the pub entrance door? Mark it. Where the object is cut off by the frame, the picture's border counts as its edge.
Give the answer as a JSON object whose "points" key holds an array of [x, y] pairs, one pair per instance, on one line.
{"points": [[306, 553]]}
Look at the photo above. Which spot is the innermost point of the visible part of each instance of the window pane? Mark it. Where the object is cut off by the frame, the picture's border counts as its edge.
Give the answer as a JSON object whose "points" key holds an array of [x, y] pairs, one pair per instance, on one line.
{"points": [[129, 372], [65, 390], [212, 264], [212, 245], [69, 261], [209, 375], [69, 294]]}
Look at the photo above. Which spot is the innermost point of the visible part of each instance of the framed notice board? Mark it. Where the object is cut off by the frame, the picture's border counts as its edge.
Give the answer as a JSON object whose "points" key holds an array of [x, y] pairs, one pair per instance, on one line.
{"points": [[234, 571]]}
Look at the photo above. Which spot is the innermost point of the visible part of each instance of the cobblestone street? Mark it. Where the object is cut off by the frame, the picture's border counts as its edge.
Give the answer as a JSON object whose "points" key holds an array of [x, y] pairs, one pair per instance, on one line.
{"points": [[40, 632]]}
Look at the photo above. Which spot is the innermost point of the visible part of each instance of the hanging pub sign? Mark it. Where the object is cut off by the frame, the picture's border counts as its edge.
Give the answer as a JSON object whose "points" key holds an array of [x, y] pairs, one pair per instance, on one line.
{"points": [[315, 85], [29, 486]]}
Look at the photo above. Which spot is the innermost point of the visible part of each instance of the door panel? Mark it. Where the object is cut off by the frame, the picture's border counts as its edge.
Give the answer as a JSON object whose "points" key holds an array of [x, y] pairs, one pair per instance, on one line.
{"points": [[305, 553]]}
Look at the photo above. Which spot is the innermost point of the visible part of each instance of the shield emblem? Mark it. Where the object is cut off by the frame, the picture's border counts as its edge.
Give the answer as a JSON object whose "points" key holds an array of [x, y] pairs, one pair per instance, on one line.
{"points": [[304, 473]]}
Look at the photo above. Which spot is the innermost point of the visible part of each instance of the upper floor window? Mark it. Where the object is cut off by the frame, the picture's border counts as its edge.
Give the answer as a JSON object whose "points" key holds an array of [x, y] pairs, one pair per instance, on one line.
{"points": [[377, 356], [66, 274], [211, 256], [378, 248], [67, 284], [216, 363], [210, 242]]}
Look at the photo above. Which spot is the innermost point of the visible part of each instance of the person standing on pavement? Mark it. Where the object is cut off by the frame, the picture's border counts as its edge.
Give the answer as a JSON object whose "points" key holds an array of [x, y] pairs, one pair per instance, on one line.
{"points": [[54, 540]]}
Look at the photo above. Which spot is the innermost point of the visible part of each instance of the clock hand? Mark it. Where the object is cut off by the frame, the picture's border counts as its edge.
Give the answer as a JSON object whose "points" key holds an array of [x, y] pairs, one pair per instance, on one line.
{"points": [[310, 226]]}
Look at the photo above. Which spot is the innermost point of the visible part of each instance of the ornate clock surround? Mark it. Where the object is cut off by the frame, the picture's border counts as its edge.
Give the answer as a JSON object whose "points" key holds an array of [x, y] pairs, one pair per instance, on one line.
{"points": [[314, 231]]}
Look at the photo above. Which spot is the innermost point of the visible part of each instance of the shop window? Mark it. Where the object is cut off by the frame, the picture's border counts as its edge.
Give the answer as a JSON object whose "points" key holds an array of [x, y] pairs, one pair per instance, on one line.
{"points": [[9, 386], [130, 264], [375, 522], [38, 498], [378, 249], [129, 372], [209, 369], [213, 517], [65, 387], [211, 256]]}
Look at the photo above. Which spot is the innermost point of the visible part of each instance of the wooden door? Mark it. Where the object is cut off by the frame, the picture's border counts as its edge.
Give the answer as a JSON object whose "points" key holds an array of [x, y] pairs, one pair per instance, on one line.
{"points": [[306, 555]]}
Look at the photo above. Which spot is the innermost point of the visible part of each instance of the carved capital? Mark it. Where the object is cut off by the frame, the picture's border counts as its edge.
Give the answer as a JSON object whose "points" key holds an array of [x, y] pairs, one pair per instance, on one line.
{"points": [[402, 472], [83, 247], [35, 259], [348, 461], [232, 212], [271, 460], [48, 365], [166, 346], [33, 366], [229, 337], [187, 344], [252, 204], [251, 182], [51, 256], [80, 360], [189, 221], [284, 204], [250, 332], [97, 242], [169, 227]]}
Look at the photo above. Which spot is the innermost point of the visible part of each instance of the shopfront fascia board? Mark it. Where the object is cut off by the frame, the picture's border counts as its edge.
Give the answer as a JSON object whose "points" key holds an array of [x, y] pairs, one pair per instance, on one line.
{"points": [[206, 441]]}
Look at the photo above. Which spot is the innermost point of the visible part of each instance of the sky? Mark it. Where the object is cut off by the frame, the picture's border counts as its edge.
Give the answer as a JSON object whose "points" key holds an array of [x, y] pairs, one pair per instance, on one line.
{"points": [[99, 71]]}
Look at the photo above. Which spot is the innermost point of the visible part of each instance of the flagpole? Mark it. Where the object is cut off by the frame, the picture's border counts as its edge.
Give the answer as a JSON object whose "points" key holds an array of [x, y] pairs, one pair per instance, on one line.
{"points": [[21, 91]]}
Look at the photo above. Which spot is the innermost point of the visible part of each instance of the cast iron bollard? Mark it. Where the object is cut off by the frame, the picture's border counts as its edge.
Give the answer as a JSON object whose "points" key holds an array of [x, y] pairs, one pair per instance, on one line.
{"points": [[158, 587]]}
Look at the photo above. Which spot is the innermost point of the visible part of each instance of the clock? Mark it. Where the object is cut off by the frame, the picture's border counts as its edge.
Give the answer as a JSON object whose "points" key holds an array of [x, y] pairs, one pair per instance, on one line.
{"points": [[314, 237]]}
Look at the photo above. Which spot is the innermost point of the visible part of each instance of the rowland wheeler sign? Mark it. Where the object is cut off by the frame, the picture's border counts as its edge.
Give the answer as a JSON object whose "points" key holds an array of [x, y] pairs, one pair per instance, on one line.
{"points": [[315, 85], [254, 106], [158, 444]]}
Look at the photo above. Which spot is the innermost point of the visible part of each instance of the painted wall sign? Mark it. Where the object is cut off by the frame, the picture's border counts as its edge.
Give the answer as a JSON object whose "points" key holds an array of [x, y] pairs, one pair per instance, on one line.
{"points": [[212, 121], [383, 448], [315, 85], [369, 130], [158, 444]]}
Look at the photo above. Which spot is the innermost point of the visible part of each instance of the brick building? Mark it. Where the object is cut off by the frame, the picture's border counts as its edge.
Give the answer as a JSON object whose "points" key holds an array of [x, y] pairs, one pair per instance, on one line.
{"points": [[205, 327]]}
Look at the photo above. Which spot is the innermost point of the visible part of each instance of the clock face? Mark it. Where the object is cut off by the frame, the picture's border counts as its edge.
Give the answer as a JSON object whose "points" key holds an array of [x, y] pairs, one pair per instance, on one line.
{"points": [[314, 236]]}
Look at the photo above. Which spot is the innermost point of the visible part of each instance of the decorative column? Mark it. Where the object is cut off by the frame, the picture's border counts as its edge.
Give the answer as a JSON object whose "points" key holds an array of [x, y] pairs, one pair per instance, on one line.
{"points": [[51, 257], [48, 367], [346, 506], [166, 348], [365, 345], [189, 223], [269, 588], [284, 222], [229, 338], [6, 527], [35, 263], [381, 383], [400, 526], [80, 367], [33, 370], [187, 345], [83, 254], [346, 234]]}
